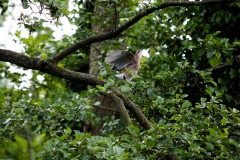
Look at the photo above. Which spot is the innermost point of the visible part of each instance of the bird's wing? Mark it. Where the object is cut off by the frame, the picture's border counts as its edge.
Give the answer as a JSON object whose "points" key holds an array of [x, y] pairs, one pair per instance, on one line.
{"points": [[120, 59]]}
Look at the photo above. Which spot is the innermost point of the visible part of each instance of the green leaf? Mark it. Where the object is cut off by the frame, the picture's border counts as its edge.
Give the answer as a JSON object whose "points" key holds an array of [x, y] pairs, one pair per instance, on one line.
{"points": [[100, 88], [68, 131], [216, 33], [151, 143], [225, 134], [235, 110], [209, 146], [66, 40], [132, 129], [180, 64], [161, 122], [210, 53], [118, 150], [238, 3], [223, 81], [224, 121], [192, 46], [37, 53], [156, 12], [189, 45], [233, 142], [228, 97], [205, 73], [125, 89], [25, 5], [183, 96], [209, 90], [214, 61], [177, 117], [106, 85], [214, 83], [203, 100], [65, 11], [213, 132], [189, 24], [149, 91], [233, 73], [18, 34], [69, 116], [78, 135], [186, 103]]}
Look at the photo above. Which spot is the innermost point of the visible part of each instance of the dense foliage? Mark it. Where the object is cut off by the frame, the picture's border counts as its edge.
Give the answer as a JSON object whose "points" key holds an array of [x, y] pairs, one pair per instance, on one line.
{"points": [[188, 87]]}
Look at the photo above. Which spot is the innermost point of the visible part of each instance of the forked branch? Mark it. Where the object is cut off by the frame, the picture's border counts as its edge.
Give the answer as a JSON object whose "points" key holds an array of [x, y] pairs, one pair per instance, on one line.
{"points": [[47, 66]]}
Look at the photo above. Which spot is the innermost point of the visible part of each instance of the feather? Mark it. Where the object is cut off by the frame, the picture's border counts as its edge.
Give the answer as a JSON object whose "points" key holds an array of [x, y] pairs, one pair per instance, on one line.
{"points": [[120, 59], [120, 76]]}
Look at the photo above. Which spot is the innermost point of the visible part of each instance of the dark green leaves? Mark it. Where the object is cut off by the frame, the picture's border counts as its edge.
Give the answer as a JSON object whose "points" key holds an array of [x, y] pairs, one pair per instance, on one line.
{"points": [[186, 87]]}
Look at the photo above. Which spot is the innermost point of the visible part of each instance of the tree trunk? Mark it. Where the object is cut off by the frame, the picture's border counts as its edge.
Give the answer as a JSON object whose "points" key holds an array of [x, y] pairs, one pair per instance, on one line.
{"points": [[107, 106]]}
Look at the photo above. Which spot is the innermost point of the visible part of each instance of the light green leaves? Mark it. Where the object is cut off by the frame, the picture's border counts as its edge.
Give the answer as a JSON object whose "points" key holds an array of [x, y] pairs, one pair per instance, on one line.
{"points": [[118, 150], [212, 132], [125, 89], [186, 104]]}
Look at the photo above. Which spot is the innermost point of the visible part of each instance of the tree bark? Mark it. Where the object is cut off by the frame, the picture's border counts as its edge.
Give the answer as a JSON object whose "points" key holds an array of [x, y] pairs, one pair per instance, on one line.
{"points": [[107, 105]]}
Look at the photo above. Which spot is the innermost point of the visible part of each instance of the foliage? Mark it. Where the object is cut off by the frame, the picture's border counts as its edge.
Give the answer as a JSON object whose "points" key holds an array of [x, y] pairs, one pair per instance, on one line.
{"points": [[188, 87]]}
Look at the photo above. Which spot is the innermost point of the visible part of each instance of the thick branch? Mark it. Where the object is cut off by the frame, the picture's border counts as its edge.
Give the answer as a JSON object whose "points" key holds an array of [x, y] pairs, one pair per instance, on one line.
{"points": [[85, 42], [47, 66], [138, 114], [123, 110]]}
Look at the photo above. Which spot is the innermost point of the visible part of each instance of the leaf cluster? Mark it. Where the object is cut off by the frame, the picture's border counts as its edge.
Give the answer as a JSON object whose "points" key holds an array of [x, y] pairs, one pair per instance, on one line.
{"points": [[188, 88]]}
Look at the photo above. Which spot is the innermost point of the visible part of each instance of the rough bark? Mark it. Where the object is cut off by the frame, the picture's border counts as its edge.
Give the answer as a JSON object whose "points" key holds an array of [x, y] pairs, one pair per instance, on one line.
{"points": [[109, 102]]}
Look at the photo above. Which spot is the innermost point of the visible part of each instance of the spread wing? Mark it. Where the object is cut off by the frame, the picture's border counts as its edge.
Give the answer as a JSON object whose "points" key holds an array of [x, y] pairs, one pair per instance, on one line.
{"points": [[120, 59]]}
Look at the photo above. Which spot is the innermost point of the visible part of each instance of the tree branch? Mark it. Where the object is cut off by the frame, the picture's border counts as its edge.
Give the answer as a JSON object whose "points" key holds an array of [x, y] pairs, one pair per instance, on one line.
{"points": [[234, 134], [47, 66], [113, 110], [29, 143], [88, 41], [119, 101], [138, 114]]}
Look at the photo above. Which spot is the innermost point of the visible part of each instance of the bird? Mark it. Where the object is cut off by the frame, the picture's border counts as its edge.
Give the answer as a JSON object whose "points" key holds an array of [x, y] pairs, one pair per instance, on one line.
{"points": [[121, 59]]}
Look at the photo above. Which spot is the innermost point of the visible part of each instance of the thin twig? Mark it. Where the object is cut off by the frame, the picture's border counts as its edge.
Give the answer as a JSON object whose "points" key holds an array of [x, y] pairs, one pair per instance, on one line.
{"points": [[223, 64]]}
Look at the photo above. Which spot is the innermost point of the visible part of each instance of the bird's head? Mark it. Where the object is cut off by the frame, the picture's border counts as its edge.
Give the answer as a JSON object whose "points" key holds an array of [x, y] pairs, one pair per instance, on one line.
{"points": [[139, 54]]}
